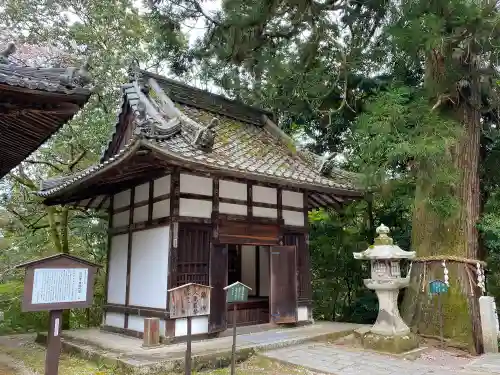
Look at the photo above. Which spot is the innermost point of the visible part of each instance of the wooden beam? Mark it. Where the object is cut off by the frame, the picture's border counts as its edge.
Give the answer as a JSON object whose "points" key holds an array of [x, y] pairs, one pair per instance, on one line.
{"points": [[149, 312]]}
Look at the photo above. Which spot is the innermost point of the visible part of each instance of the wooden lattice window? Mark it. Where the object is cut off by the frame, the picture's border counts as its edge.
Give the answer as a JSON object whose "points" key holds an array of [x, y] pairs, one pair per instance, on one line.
{"points": [[193, 254]]}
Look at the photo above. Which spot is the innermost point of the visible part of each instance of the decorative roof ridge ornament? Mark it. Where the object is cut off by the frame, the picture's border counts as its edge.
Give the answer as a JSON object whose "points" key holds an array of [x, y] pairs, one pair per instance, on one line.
{"points": [[326, 165], [76, 76], [201, 136], [9, 50], [133, 71], [151, 120]]}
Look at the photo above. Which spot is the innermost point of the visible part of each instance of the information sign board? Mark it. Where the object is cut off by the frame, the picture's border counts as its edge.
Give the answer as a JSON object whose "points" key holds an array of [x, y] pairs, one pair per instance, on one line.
{"points": [[58, 285]]}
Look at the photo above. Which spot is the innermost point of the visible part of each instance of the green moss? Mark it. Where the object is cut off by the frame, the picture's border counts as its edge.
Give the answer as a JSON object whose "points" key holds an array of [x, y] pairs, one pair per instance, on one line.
{"points": [[291, 146], [390, 344], [421, 311]]}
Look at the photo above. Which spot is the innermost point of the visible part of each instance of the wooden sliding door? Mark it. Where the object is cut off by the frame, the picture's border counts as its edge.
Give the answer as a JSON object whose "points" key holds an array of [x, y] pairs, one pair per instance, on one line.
{"points": [[283, 284]]}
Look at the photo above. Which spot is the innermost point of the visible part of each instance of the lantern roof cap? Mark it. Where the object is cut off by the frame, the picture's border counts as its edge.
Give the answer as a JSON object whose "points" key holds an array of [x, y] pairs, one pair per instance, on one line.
{"points": [[384, 248]]}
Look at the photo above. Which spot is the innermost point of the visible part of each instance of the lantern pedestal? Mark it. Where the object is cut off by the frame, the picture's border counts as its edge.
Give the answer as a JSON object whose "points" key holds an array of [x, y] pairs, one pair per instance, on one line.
{"points": [[389, 333], [389, 321]]}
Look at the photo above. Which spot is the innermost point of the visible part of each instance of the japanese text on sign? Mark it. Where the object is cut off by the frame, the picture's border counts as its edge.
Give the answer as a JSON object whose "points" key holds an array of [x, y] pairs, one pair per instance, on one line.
{"points": [[55, 285]]}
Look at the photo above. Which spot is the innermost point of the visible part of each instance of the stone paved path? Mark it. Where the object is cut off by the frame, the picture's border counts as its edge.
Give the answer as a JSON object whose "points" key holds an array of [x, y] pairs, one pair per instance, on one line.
{"points": [[331, 359]]}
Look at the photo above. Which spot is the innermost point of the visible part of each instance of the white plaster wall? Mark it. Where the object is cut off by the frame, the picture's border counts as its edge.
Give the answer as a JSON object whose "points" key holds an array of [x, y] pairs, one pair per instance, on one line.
{"points": [[199, 324], [117, 278], [292, 199], [264, 271], [233, 190], [161, 186], [115, 320], [195, 208], [293, 218], [302, 313], [161, 209], [265, 212], [136, 323], [141, 192], [264, 195], [141, 214], [149, 267], [121, 199], [248, 262], [196, 184], [120, 219], [233, 209]]}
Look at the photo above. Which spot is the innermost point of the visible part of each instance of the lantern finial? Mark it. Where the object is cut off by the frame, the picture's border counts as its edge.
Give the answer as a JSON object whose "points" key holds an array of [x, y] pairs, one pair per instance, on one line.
{"points": [[382, 229]]}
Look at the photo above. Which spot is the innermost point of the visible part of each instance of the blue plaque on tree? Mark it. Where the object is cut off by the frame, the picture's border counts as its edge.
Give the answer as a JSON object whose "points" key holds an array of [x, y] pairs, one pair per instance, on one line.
{"points": [[438, 287]]}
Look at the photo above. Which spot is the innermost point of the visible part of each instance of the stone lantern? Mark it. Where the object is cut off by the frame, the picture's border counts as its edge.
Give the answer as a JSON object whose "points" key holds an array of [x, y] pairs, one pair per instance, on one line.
{"points": [[389, 333]]}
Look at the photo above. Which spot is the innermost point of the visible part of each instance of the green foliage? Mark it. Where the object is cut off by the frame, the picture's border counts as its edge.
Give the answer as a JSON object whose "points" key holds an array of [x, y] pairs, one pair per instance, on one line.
{"points": [[399, 138], [338, 290], [14, 319]]}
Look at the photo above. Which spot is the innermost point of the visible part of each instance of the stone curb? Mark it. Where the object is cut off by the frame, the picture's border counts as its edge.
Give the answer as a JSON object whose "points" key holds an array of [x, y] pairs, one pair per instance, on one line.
{"points": [[139, 365]]}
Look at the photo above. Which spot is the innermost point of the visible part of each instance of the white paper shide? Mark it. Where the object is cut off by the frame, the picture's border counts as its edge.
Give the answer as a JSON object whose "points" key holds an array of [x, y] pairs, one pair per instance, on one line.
{"points": [[59, 285]]}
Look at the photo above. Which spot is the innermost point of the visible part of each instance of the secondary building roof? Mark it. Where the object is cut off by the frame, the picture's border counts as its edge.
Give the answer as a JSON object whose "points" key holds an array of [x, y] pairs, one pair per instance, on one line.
{"points": [[34, 104], [163, 124]]}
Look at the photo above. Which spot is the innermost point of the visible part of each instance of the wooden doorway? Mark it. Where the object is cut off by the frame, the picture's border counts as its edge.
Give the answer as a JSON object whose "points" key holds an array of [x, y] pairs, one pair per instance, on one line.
{"points": [[250, 264], [283, 284]]}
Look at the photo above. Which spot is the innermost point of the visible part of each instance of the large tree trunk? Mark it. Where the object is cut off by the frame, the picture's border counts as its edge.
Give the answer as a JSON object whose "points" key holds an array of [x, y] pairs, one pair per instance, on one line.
{"points": [[455, 235]]}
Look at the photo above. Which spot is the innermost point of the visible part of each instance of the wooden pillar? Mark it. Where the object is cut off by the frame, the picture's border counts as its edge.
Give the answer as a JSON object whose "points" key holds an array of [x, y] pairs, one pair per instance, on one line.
{"points": [[151, 201], [281, 222], [174, 242], [129, 252], [306, 266], [249, 200], [108, 252]]}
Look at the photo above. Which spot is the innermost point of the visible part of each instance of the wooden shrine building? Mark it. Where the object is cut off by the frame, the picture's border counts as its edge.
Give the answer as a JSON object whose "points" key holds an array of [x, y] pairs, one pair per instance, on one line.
{"points": [[202, 189], [34, 104]]}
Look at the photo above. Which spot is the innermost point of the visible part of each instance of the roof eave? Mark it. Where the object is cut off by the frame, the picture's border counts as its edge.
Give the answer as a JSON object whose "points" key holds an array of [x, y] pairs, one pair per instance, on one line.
{"points": [[136, 143]]}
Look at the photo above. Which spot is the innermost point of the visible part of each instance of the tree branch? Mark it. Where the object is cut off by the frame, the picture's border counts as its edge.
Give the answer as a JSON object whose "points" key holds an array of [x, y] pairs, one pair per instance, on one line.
{"points": [[25, 182], [74, 162], [45, 163]]}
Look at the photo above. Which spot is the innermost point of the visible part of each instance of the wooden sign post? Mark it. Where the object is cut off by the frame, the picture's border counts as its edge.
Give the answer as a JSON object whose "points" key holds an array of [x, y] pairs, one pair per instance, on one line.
{"points": [[56, 283], [438, 287], [236, 292], [187, 301]]}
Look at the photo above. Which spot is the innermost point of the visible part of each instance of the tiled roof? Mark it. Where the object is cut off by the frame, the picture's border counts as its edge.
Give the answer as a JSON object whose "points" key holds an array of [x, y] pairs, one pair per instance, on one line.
{"points": [[62, 80], [239, 147], [58, 80], [25, 121], [248, 148]]}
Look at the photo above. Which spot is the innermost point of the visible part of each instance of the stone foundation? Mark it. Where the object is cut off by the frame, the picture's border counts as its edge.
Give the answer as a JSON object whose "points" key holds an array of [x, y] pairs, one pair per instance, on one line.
{"points": [[390, 344]]}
